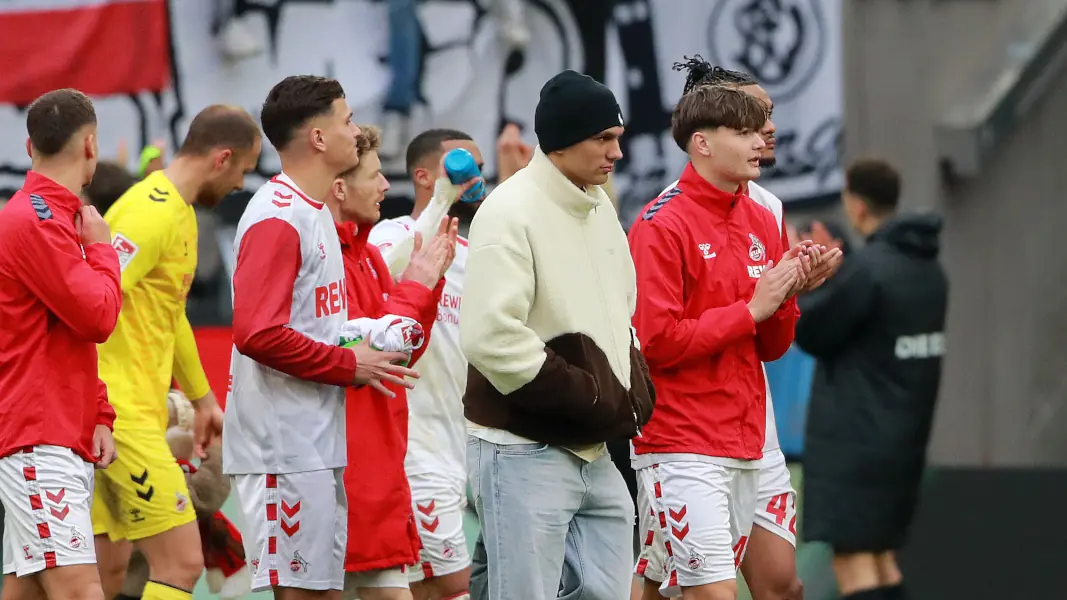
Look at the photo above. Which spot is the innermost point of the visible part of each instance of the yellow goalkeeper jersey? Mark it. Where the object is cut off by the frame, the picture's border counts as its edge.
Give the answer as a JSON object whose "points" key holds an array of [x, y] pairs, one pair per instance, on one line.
{"points": [[154, 232]]}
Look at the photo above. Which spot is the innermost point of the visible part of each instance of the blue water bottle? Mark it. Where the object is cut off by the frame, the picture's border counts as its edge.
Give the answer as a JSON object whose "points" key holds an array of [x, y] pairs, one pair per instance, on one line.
{"points": [[461, 167]]}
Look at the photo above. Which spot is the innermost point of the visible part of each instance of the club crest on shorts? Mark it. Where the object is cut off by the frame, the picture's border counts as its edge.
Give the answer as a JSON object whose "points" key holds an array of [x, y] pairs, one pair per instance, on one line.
{"points": [[255, 566], [696, 560], [449, 550], [77, 539], [757, 252], [180, 502], [298, 563]]}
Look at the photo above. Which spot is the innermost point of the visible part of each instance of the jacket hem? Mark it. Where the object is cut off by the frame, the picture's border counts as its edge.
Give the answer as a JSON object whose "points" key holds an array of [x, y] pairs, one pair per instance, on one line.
{"points": [[709, 451], [380, 564]]}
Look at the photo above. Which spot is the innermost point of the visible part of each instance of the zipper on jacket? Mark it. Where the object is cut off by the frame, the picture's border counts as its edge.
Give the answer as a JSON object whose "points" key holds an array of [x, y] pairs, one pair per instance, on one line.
{"points": [[634, 403]]}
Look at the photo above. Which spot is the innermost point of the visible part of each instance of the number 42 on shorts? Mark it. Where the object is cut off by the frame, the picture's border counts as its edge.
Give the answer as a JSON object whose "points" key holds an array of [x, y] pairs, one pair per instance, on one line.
{"points": [[779, 506]]}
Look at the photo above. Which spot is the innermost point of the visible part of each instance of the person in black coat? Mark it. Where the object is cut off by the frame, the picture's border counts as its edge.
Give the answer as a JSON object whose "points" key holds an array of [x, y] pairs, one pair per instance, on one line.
{"points": [[876, 330]]}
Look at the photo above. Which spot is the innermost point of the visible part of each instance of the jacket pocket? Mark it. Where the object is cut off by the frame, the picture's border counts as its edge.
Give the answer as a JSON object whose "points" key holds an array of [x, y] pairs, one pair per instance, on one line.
{"points": [[520, 449], [585, 386], [619, 411]]}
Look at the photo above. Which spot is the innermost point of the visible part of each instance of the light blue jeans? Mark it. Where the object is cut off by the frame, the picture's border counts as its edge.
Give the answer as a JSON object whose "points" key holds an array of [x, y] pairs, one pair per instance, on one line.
{"points": [[552, 525]]}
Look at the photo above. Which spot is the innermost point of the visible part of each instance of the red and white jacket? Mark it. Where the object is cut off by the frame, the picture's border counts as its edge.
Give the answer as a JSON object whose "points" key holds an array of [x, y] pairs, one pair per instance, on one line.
{"points": [[699, 252], [381, 525]]}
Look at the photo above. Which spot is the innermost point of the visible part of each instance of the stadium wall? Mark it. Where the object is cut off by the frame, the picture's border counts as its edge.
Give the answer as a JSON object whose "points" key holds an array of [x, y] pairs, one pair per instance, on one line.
{"points": [[1004, 393]]}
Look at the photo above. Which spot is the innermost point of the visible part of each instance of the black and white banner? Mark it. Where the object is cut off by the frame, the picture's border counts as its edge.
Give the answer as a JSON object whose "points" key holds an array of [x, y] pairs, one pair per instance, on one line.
{"points": [[469, 79]]}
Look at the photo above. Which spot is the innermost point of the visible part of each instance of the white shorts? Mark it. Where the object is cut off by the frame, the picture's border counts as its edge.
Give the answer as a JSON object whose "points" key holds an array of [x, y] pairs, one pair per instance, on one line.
{"points": [[47, 493], [396, 577], [288, 522], [776, 511], [704, 512], [438, 505], [776, 503]]}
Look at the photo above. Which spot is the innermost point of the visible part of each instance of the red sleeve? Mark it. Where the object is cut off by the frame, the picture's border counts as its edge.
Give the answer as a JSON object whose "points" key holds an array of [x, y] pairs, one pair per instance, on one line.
{"points": [[427, 320], [105, 413], [409, 299], [85, 293], [668, 338], [775, 335], [268, 262]]}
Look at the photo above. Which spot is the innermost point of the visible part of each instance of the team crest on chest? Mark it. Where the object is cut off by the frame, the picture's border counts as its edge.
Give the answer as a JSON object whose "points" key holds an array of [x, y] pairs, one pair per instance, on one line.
{"points": [[757, 252]]}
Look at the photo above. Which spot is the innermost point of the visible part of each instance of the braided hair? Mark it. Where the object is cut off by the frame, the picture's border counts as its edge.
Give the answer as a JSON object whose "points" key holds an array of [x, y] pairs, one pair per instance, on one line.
{"points": [[701, 72]]}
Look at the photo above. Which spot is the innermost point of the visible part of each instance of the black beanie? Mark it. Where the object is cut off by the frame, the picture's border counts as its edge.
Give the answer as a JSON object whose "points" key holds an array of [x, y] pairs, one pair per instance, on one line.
{"points": [[573, 107]]}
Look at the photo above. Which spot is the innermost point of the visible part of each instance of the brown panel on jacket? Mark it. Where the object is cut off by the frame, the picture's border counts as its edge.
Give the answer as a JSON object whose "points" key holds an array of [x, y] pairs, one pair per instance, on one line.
{"points": [[574, 400]]}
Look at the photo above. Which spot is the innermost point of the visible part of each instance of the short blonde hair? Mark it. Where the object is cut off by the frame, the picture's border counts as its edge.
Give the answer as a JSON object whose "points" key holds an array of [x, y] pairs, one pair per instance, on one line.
{"points": [[369, 140]]}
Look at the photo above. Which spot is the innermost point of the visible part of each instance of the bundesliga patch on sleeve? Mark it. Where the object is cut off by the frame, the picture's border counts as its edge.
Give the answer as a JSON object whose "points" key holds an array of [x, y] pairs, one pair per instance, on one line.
{"points": [[125, 249]]}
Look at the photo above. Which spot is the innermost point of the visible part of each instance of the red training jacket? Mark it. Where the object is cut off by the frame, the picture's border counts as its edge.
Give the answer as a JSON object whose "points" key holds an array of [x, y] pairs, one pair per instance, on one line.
{"points": [[699, 252], [56, 305], [381, 525]]}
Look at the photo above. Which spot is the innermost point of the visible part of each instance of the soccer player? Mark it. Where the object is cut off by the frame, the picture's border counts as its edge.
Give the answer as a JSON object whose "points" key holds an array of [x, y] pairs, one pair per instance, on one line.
{"points": [[143, 498], [285, 417], [769, 565], [437, 431], [554, 368], [714, 300], [383, 543], [59, 296]]}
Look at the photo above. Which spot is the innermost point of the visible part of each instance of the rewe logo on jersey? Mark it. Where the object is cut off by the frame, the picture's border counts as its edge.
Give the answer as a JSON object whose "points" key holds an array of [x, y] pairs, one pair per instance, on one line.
{"points": [[331, 299]]}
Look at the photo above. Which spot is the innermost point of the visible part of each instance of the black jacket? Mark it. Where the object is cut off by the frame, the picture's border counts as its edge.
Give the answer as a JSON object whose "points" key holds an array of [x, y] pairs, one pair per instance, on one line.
{"points": [[877, 331]]}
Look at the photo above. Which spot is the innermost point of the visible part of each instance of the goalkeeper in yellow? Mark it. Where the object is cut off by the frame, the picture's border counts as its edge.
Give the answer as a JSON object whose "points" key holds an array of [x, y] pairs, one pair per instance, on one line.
{"points": [[142, 498]]}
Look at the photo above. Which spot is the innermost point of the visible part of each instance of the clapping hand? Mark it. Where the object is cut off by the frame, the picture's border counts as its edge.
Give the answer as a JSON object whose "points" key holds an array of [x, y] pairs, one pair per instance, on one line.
{"points": [[774, 286], [829, 262], [429, 261], [805, 256]]}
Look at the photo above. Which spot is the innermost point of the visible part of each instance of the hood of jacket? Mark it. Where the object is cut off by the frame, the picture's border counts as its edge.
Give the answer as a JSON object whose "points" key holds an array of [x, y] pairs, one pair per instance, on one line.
{"points": [[915, 234]]}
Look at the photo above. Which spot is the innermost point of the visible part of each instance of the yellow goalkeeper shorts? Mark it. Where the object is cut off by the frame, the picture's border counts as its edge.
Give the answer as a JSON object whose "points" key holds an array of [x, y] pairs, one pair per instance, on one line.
{"points": [[144, 492]]}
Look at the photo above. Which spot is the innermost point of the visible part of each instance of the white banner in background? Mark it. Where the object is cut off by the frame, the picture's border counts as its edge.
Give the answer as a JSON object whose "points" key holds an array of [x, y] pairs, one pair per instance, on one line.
{"points": [[470, 81]]}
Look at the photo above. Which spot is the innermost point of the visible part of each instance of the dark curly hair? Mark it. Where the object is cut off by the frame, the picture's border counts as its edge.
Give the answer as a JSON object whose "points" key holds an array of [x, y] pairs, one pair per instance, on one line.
{"points": [[701, 72]]}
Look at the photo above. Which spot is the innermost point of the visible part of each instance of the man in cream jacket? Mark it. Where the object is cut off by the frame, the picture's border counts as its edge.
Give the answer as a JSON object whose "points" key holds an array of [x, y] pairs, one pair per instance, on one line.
{"points": [[555, 370]]}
